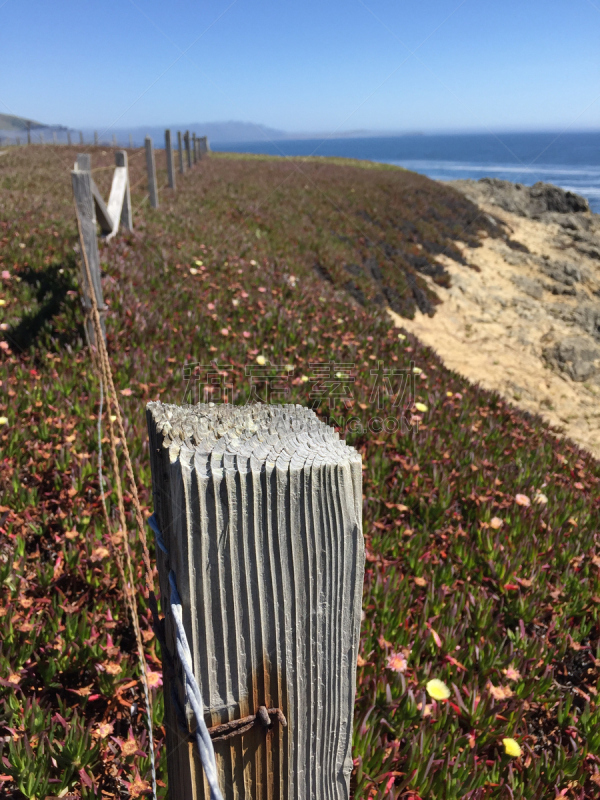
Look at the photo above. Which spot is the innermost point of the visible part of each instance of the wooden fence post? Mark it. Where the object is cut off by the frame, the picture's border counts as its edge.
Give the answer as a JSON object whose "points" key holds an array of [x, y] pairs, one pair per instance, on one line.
{"points": [[180, 148], [130, 142], [194, 149], [69, 138], [29, 133], [81, 179], [42, 138], [259, 511], [126, 220], [170, 166], [151, 169], [80, 137], [96, 138], [188, 152]]}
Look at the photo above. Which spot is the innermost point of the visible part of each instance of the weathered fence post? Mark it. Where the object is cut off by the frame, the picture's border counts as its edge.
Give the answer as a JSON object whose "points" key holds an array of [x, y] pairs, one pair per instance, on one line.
{"points": [[80, 137], [180, 148], [194, 149], [96, 138], [130, 142], [205, 147], [188, 152], [29, 133], [81, 179], [41, 138], [126, 220], [69, 138], [151, 169], [169, 152], [258, 525]]}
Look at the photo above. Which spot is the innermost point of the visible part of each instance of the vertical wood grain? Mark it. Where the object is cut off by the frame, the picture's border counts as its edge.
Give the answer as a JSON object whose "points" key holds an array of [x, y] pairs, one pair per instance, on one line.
{"points": [[260, 509]]}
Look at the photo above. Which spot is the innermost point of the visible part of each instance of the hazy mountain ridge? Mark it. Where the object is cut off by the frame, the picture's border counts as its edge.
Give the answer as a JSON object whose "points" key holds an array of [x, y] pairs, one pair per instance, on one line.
{"points": [[218, 132]]}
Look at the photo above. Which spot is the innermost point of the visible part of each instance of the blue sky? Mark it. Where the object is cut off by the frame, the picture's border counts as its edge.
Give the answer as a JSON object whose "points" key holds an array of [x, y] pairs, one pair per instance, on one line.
{"points": [[402, 65]]}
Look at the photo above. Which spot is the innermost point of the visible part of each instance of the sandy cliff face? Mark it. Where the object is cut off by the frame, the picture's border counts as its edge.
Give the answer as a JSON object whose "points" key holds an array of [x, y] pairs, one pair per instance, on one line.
{"points": [[523, 318]]}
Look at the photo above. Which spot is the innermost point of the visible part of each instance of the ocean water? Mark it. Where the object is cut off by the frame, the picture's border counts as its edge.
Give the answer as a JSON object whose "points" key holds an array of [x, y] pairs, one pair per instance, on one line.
{"points": [[569, 160]]}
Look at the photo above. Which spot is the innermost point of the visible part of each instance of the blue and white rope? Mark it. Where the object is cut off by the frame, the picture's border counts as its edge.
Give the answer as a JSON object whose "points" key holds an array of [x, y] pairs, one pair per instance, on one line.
{"points": [[191, 688]]}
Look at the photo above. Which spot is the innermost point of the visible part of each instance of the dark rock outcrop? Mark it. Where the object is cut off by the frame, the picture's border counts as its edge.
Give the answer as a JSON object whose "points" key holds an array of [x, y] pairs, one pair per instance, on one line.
{"points": [[576, 356], [535, 201]]}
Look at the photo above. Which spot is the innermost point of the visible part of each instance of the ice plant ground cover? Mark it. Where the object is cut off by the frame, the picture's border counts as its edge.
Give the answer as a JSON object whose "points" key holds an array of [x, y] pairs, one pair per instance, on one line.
{"points": [[483, 563]]}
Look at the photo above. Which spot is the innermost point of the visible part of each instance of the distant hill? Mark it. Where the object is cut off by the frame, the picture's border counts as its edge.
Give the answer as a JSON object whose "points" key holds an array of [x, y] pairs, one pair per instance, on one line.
{"points": [[8, 122], [219, 133], [230, 131]]}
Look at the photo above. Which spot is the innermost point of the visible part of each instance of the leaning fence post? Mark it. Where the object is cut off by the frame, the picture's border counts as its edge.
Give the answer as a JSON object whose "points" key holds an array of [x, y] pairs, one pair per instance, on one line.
{"points": [[169, 152], [180, 148], [81, 179], [151, 169], [258, 526], [126, 220], [188, 152]]}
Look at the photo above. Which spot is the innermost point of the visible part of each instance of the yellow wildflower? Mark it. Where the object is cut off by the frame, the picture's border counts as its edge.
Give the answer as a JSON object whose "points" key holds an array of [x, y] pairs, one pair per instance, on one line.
{"points": [[437, 689], [512, 747]]}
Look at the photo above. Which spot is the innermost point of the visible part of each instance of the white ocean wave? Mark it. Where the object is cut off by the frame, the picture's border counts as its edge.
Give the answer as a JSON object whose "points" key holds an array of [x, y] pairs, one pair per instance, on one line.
{"points": [[457, 166]]}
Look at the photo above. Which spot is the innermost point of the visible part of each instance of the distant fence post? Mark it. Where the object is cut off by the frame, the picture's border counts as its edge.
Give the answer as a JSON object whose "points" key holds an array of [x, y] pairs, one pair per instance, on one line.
{"points": [[41, 138], [169, 153], [188, 152], [96, 138], [130, 142], [80, 137], [260, 548], [180, 148], [151, 169], [81, 179], [69, 138], [194, 149], [29, 133]]}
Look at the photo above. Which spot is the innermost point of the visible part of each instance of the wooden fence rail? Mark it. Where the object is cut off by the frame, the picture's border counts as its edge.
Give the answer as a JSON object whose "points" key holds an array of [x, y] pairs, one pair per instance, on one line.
{"points": [[258, 510]]}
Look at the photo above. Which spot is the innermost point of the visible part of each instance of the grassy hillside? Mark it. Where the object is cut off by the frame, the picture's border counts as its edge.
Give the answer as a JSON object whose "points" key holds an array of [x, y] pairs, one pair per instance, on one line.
{"points": [[481, 528]]}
